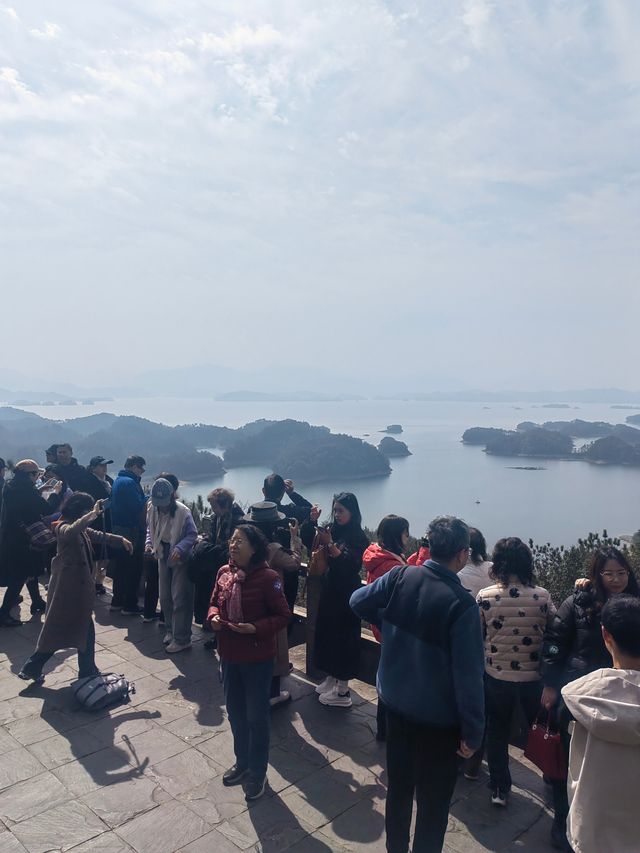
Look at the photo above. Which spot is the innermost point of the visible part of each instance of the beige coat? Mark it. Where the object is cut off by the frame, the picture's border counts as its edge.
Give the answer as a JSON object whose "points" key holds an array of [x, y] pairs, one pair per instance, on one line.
{"points": [[604, 761], [281, 561], [72, 591], [514, 619]]}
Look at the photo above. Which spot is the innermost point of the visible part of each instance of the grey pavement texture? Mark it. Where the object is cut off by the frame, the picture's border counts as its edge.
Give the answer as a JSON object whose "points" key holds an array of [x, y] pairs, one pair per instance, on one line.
{"points": [[146, 776]]}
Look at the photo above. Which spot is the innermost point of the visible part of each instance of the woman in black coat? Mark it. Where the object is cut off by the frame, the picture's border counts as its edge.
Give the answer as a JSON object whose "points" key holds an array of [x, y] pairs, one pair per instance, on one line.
{"points": [[22, 505], [573, 647], [337, 637]]}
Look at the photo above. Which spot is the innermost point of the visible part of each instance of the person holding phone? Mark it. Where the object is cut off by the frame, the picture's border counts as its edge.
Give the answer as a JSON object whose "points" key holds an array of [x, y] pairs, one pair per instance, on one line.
{"points": [[247, 610], [337, 637], [68, 622]]}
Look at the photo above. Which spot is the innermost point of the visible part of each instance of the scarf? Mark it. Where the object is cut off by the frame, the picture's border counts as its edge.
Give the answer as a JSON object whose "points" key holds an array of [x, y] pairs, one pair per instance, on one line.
{"points": [[230, 590]]}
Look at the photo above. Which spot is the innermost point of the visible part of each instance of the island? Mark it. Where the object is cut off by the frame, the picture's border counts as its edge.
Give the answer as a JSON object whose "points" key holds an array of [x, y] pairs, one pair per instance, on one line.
{"points": [[391, 447], [294, 448], [393, 429], [614, 444]]}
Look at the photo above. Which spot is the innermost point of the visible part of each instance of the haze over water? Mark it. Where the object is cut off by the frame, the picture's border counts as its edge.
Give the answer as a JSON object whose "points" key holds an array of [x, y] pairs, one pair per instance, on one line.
{"points": [[558, 505]]}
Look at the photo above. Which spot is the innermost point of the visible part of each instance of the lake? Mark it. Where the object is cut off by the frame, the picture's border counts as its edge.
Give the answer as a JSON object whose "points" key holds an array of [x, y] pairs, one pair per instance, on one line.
{"points": [[557, 505]]}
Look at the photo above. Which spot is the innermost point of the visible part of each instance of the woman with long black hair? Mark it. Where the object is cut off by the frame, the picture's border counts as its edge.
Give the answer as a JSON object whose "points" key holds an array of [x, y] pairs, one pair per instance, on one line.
{"points": [[337, 636], [573, 647]]}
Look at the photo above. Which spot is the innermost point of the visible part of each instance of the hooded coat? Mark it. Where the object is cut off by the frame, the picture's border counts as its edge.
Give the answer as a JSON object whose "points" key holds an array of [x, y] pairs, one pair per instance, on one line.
{"points": [[377, 561], [604, 761]]}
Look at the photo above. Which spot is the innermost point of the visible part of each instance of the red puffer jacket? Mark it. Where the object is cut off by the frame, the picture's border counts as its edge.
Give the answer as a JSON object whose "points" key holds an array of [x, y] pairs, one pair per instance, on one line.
{"points": [[377, 561], [263, 604], [420, 556]]}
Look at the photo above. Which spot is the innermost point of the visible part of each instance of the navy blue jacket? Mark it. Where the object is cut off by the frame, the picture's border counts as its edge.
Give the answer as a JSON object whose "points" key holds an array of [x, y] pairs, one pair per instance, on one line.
{"points": [[431, 659], [128, 501]]}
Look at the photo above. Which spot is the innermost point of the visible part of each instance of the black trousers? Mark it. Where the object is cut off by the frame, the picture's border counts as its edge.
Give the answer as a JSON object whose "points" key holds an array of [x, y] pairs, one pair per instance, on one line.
{"points": [[128, 569], [12, 595], [501, 699], [421, 760], [202, 596], [559, 786]]}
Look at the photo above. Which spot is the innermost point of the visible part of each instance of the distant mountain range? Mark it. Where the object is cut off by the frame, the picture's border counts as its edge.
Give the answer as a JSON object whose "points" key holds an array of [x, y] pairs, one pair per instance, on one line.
{"points": [[281, 384]]}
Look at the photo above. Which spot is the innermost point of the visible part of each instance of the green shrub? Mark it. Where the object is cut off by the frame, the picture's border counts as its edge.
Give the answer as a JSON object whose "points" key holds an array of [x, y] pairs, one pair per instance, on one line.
{"points": [[558, 568]]}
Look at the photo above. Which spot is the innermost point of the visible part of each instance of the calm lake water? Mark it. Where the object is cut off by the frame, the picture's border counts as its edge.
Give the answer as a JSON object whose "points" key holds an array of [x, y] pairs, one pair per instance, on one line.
{"points": [[558, 505]]}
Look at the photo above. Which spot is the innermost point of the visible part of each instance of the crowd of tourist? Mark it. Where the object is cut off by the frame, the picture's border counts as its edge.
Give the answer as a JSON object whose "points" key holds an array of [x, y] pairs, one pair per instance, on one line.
{"points": [[465, 640]]}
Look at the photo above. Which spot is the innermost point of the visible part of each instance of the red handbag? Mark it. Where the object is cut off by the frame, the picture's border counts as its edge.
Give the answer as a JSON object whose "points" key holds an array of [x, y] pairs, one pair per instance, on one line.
{"points": [[544, 749]]}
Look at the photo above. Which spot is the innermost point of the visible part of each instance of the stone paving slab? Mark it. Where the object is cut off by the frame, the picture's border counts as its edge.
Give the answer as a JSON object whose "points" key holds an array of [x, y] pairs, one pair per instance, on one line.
{"points": [[146, 776]]}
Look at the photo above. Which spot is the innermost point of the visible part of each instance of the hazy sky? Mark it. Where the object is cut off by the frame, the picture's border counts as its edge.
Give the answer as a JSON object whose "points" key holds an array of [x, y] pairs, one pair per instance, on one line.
{"points": [[446, 192]]}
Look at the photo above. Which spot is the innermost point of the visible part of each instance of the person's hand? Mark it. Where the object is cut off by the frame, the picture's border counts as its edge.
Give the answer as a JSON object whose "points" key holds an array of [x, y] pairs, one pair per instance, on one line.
{"points": [[294, 527], [97, 508], [216, 623], [242, 627], [288, 486], [127, 545], [314, 514], [549, 698], [148, 550], [175, 556], [465, 751], [324, 537], [57, 488], [582, 584]]}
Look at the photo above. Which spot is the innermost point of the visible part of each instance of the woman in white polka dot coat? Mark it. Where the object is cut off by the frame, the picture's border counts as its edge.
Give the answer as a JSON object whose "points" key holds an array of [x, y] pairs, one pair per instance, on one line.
{"points": [[515, 614]]}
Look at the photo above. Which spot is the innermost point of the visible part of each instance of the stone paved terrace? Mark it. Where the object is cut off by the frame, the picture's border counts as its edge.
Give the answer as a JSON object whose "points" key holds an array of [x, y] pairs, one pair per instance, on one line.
{"points": [[147, 776]]}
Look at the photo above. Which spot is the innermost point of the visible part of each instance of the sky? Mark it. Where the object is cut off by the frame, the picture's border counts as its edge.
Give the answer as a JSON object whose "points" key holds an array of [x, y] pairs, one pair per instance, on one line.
{"points": [[430, 195]]}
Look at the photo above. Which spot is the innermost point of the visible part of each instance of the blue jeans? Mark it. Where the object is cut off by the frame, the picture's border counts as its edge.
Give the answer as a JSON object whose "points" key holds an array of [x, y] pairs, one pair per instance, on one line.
{"points": [[246, 695], [86, 659]]}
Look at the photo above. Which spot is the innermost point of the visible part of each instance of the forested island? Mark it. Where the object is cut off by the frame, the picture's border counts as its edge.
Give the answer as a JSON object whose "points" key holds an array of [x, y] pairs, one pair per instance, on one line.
{"points": [[295, 448], [615, 444], [391, 447]]}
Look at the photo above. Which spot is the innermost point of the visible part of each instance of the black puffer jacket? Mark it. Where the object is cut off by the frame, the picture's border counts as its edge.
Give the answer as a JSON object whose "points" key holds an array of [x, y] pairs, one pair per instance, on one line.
{"points": [[573, 644]]}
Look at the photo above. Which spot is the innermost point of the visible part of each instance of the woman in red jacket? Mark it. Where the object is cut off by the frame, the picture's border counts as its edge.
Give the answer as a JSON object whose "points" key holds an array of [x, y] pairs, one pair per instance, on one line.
{"points": [[378, 559], [248, 608]]}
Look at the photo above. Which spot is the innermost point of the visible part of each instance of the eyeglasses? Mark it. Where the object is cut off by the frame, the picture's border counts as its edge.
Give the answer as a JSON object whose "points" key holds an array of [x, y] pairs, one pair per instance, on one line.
{"points": [[615, 576]]}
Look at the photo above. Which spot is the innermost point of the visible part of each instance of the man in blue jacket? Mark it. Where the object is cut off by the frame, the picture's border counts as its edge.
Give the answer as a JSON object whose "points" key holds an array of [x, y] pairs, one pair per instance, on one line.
{"points": [[431, 680], [129, 519]]}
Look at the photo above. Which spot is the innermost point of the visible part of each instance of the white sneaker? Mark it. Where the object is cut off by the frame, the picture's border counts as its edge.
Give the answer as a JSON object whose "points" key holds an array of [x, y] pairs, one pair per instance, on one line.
{"points": [[325, 685], [336, 699], [167, 638], [499, 797], [174, 647]]}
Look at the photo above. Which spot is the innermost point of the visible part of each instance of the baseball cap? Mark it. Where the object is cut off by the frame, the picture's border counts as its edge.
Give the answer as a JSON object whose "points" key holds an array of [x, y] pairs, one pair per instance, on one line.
{"points": [[99, 460], [161, 492]]}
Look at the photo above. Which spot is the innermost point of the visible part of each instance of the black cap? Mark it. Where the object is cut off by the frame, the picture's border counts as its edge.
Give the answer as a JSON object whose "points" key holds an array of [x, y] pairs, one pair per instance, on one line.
{"points": [[99, 460]]}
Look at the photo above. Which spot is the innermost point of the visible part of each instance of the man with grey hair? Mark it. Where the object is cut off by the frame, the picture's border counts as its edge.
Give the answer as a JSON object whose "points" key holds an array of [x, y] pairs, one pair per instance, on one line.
{"points": [[431, 679]]}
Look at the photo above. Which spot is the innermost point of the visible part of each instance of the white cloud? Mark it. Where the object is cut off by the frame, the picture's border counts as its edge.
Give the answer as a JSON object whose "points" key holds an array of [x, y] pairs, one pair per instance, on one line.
{"points": [[10, 12], [321, 155], [12, 82], [48, 32]]}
